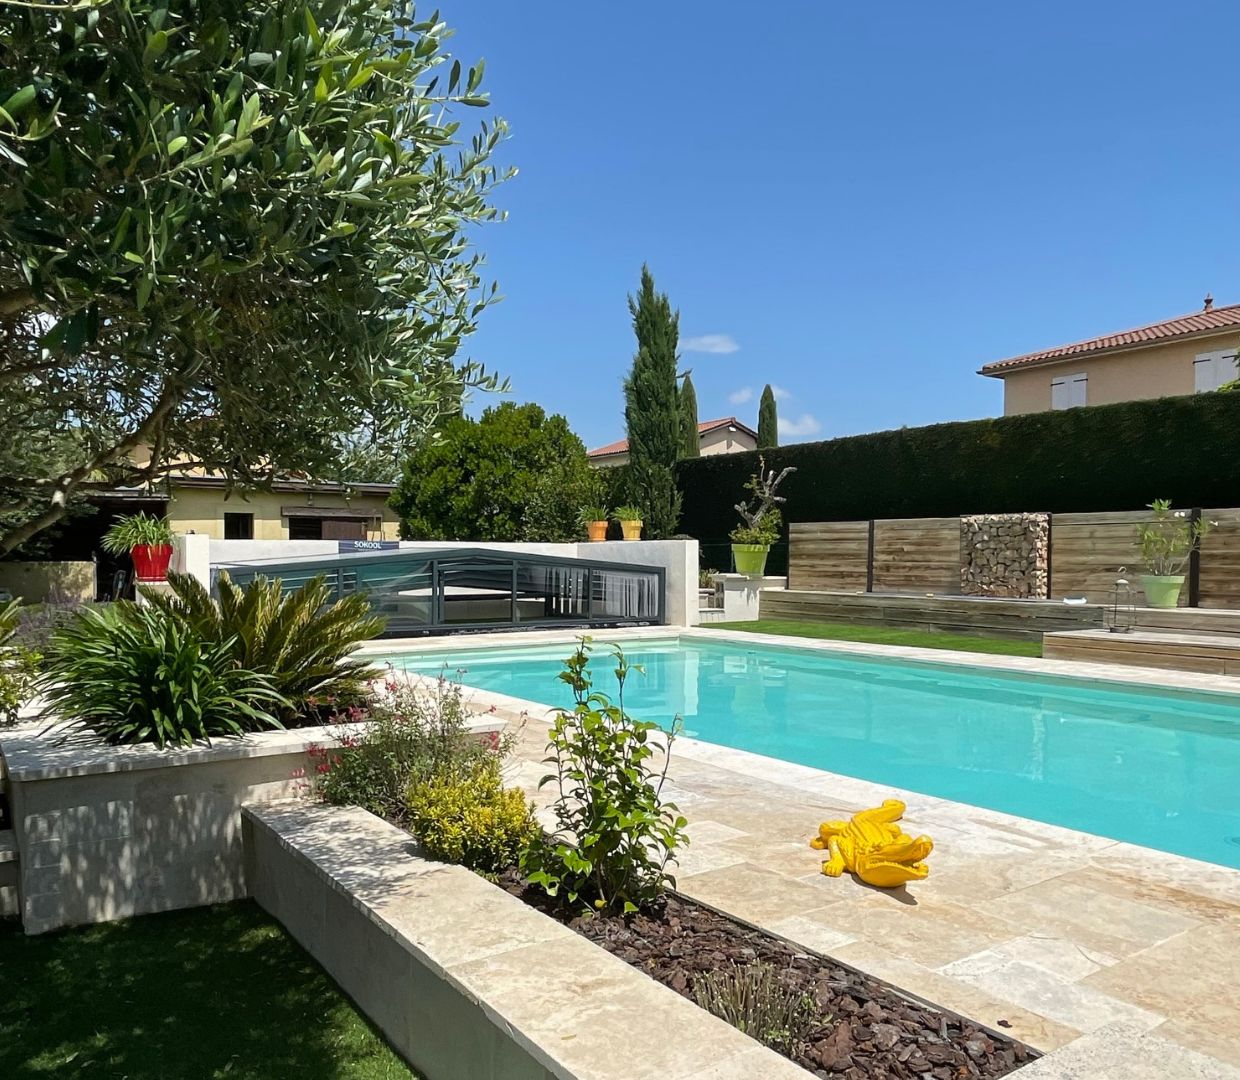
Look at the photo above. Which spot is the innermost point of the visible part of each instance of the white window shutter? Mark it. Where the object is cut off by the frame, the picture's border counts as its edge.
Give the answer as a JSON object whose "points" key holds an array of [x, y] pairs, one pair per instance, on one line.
{"points": [[1069, 391]]}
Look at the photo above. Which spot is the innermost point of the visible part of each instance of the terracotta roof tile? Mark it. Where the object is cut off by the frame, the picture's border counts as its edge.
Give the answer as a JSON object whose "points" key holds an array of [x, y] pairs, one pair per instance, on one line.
{"points": [[1198, 322], [621, 446]]}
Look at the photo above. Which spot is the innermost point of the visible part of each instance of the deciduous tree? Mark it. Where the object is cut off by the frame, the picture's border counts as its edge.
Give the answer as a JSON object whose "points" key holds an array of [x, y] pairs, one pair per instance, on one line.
{"points": [[513, 474], [231, 234]]}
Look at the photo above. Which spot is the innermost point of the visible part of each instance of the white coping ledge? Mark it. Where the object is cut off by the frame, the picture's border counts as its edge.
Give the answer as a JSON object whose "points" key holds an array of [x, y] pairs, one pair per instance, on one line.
{"points": [[466, 981], [40, 755]]}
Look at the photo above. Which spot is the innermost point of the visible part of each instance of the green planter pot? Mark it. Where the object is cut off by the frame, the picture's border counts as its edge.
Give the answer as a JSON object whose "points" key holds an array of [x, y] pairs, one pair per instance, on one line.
{"points": [[1162, 592], [750, 559]]}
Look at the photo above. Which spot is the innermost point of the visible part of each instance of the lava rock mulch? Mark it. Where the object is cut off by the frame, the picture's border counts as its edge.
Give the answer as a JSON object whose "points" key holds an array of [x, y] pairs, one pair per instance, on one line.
{"points": [[865, 1030]]}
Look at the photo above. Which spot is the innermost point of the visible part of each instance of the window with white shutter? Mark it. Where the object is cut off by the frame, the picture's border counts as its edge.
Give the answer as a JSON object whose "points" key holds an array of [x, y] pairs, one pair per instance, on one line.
{"points": [[1069, 391], [1212, 369]]}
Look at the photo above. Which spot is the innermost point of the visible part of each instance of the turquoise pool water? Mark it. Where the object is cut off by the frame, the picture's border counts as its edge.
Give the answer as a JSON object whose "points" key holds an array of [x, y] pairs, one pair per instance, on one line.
{"points": [[1156, 768]]}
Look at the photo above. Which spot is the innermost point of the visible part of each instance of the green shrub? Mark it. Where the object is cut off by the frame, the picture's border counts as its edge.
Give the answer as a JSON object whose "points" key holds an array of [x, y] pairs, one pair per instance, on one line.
{"points": [[469, 817], [615, 834], [18, 664], [132, 530], [412, 735], [133, 675], [301, 640], [1183, 447], [753, 1000]]}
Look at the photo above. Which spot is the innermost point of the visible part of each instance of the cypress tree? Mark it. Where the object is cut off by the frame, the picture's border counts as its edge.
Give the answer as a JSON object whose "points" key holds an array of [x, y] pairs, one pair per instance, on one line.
{"points": [[768, 420], [690, 446], [652, 409]]}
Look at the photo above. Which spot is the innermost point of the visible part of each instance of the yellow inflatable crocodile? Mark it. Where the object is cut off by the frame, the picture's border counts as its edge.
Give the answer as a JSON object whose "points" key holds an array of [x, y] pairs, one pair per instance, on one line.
{"points": [[873, 848]]}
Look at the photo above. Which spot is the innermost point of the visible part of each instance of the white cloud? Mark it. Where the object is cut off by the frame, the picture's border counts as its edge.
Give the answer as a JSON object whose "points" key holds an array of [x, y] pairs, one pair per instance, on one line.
{"points": [[710, 343], [739, 397], [780, 393], [795, 427]]}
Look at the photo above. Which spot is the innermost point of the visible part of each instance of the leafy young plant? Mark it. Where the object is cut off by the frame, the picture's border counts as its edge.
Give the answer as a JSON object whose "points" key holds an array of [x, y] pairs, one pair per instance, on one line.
{"points": [[1167, 542], [752, 999], [467, 816], [413, 734], [593, 513], [302, 640], [131, 675], [614, 832], [627, 513], [133, 530]]}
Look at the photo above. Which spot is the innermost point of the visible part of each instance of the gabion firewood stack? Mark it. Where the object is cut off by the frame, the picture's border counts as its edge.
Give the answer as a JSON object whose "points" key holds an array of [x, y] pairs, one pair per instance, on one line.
{"points": [[1005, 555]]}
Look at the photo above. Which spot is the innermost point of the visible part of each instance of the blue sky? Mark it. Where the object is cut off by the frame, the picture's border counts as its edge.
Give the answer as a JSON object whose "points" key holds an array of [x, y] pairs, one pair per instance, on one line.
{"points": [[858, 203]]}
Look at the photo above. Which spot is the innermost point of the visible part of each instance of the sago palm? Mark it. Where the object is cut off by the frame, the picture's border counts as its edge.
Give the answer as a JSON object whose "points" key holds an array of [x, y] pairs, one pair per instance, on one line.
{"points": [[302, 639]]}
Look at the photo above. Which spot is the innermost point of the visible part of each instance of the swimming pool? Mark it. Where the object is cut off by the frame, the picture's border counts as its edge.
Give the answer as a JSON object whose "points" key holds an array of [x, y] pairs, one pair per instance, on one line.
{"points": [[1157, 768]]}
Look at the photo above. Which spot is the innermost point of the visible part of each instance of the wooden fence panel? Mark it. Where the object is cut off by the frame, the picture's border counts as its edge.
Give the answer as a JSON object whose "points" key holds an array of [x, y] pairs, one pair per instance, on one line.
{"points": [[1220, 560], [1087, 551], [828, 555], [917, 555]]}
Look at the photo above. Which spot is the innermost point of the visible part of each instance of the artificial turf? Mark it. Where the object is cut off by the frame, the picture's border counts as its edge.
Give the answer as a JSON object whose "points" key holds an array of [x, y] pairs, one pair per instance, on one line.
{"points": [[880, 635], [212, 992]]}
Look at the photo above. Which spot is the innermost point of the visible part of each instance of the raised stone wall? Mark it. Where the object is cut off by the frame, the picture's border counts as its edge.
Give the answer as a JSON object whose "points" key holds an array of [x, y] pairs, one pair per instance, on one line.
{"points": [[1005, 555]]}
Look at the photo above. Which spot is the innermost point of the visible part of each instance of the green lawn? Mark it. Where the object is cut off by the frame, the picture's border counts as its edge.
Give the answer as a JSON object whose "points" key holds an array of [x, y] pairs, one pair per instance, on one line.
{"points": [[878, 635], [214, 992]]}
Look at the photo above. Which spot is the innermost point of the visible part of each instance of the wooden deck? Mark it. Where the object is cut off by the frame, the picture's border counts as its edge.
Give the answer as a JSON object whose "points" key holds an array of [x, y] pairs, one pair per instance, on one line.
{"points": [[1213, 654]]}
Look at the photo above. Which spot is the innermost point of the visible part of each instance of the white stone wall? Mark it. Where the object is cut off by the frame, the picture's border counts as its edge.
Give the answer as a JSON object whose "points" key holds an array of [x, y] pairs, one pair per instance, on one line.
{"points": [[106, 832], [1005, 555]]}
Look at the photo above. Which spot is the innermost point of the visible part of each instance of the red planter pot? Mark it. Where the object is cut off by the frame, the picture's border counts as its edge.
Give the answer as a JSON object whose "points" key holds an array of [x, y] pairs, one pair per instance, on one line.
{"points": [[150, 561]]}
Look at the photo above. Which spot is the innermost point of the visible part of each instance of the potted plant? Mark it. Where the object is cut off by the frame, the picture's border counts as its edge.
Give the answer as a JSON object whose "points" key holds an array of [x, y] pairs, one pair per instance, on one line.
{"points": [[630, 518], [145, 539], [594, 520], [1166, 544], [760, 520]]}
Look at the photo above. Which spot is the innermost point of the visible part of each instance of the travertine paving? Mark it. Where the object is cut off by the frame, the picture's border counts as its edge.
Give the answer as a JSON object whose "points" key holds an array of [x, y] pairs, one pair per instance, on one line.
{"points": [[1063, 939]]}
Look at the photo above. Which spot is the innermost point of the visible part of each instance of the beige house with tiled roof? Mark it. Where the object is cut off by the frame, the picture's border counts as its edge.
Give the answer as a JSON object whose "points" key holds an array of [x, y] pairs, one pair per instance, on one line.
{"points": [[727, 435], [1190, 354]]}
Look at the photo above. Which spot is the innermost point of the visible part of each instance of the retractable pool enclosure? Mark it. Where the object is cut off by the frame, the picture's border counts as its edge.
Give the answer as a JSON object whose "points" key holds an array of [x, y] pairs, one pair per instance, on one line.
{"points": [[438, 591]]}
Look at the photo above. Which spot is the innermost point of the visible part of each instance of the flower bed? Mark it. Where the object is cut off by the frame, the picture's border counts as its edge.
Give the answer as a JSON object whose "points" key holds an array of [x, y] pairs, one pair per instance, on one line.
{"points": [[861, 1027]]}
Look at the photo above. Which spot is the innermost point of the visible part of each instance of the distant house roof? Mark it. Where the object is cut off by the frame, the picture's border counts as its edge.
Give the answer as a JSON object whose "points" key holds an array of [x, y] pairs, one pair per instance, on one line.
{"points": [[1206, 321], [621, 446]]}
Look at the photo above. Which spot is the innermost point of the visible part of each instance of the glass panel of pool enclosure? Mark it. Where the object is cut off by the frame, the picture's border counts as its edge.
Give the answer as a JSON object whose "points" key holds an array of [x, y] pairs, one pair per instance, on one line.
{"points": [[440, 591]]}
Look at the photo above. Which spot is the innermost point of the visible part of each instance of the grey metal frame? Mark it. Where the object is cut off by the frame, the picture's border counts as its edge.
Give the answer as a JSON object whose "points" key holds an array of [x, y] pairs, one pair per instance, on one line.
{"points": [[338, 569]]}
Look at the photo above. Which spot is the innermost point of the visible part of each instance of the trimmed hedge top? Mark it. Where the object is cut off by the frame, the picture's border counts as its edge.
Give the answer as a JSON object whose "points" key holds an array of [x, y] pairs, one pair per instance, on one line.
{"points": [[1096, 458]]}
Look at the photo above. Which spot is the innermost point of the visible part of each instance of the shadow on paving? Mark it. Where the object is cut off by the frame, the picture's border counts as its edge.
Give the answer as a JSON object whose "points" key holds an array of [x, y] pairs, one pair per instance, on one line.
{"points": [[214, 992]]}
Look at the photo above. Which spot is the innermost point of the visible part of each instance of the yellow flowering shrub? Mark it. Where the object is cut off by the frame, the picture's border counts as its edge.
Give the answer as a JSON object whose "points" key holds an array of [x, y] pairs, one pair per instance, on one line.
{"points": [[469, 817]]}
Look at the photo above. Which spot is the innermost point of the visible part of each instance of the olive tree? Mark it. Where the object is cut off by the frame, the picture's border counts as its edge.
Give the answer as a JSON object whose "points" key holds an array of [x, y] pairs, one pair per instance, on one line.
{"points": [[233, 234]]}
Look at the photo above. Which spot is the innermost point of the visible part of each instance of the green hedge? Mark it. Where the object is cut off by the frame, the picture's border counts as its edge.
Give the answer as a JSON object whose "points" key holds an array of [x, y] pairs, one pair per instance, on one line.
{"points": [[1103, 457]]}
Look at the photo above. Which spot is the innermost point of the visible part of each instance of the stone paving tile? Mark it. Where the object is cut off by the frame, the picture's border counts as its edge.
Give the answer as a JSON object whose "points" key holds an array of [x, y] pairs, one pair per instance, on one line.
{"points": [[705, 831], [1191, 975], [701, 858], [1206, 1036], [1127, 1052], [1065, 959], [751, 892], [1167, 895], [811, 933], [926, 930], [1110, 924], [1044, 993]]}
